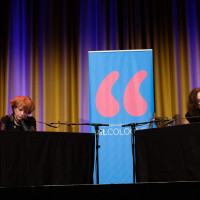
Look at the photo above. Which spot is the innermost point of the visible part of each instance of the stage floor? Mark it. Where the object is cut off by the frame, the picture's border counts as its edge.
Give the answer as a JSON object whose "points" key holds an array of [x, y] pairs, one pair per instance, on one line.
{"points": [[111, 191]]}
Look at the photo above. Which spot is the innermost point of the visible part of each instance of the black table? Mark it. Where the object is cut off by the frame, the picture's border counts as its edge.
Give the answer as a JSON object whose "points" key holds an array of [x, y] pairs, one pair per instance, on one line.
{"points": [[168, 153], [46, 158]]}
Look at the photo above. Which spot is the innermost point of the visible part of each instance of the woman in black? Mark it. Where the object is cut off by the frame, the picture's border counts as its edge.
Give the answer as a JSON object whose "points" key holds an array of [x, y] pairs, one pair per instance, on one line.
{"points": [[193, 113], [19, 119]]}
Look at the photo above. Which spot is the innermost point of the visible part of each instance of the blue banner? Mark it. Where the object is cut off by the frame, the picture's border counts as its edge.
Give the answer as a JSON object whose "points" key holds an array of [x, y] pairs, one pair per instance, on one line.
{"points": [[121, 92]]}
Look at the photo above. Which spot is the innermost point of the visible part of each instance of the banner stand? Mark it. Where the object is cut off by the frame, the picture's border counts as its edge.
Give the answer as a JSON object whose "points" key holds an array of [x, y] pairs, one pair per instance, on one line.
{"points": [[123, 93]]}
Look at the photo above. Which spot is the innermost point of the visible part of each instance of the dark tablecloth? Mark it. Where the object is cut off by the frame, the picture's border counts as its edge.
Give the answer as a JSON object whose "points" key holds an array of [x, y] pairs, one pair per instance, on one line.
{"points": [[46, 158], [168, 154]]}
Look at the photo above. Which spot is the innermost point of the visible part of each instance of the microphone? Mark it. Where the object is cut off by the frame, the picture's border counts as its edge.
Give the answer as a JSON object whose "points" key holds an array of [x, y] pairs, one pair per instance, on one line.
{"points": [[169, 122], [131, 124], [24, 126], [51, 125]]}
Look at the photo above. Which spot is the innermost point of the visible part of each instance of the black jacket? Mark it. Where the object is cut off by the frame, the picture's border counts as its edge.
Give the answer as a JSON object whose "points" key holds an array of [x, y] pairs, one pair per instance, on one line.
{"points": [[7, 123]]}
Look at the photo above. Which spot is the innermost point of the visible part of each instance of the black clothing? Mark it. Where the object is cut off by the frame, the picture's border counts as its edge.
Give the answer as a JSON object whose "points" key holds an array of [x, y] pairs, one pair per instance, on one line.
{"points": [[7, 123], [193, 119]]}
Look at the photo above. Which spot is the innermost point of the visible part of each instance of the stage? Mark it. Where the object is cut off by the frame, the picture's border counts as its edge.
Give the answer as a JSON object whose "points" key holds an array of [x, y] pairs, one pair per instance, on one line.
{"points": [[111, 191]]}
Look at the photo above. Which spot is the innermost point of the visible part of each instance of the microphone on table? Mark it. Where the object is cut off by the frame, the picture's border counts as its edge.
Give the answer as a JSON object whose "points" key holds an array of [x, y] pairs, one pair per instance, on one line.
{"points": [[48, 124], [169, 122]]}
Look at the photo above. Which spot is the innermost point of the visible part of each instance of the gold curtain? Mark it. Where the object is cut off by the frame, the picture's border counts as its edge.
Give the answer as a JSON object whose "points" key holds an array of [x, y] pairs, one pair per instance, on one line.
{"points": [[54, 38]]}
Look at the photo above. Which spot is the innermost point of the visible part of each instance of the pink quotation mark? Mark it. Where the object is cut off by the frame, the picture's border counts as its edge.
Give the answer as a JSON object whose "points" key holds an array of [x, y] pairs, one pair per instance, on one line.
{"points": [[106, 104], [134, 104]]}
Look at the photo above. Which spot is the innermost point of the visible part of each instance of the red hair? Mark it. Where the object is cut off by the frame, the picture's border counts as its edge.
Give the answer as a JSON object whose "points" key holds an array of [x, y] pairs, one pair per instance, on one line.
{"points": [[23, 101]]}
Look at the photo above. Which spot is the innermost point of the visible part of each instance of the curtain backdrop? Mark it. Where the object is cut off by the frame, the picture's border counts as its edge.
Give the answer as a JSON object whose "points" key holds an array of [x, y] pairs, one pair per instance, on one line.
{"points": [[44, 48]]}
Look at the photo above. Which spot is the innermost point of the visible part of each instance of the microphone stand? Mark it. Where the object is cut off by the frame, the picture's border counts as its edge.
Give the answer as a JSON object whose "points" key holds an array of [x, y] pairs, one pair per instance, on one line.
{"points": [[133, 129], [96, 126]]}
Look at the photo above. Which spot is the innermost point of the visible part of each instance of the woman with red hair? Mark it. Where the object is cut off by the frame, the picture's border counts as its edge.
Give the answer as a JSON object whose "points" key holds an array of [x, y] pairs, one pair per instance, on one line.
{"points": [[19, 119]]}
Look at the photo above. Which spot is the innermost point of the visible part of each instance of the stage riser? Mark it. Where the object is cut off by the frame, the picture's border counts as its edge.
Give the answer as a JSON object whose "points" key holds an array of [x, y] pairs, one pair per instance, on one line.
{"points": [[113, 191]]}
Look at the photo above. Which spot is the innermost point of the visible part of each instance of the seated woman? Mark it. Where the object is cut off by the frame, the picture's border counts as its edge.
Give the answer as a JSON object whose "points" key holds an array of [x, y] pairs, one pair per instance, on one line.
{"points": [[19, 119], [193, 113]]}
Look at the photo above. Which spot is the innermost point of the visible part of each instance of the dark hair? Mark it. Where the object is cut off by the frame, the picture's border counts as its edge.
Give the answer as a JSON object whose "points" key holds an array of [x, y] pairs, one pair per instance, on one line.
{"points": [[192, 103]]}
